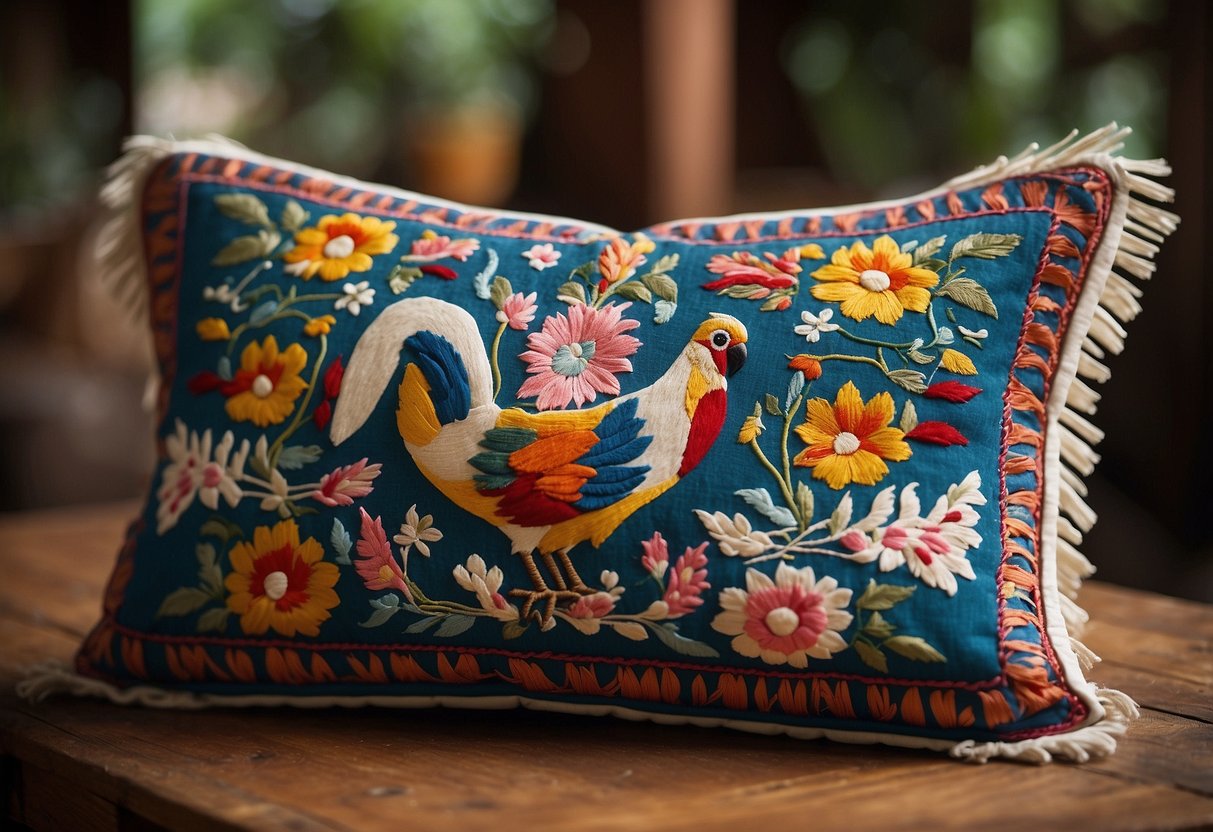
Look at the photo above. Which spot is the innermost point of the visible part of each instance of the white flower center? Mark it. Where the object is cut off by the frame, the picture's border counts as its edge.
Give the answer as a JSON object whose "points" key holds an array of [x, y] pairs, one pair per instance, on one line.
{"points": [[339, 247], [782, 621], [846, 443], [874, 280], [263, 385], [575, 349], [275, 585]]}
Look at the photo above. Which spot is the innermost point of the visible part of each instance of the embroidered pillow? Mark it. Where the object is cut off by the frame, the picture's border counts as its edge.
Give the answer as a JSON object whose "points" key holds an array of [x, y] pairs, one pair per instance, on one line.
{"points": [[814, 472]]}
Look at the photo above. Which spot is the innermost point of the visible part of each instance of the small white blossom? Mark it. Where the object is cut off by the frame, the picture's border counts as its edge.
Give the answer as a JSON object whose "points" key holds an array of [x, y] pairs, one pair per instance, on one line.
{"points": [[736, 536], [814, 325], [418, 531], [356, 296]]}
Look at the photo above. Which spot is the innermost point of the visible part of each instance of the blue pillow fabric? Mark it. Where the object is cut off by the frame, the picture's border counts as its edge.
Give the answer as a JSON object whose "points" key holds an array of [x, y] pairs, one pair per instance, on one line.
{"points": [[797, 472]]}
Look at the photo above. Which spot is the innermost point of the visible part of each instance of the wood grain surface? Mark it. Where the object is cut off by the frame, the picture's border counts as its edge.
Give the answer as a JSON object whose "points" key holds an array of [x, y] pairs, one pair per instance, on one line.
{"points": [[80, 765]]}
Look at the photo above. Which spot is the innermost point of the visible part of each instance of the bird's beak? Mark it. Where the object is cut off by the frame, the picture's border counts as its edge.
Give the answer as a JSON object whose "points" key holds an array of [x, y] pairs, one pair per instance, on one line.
{"points": [[736, 356]]}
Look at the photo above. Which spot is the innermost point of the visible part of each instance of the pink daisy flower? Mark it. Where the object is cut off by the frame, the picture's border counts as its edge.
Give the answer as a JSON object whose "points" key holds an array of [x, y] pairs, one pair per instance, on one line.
{"points": [[541, 257], [574, 358], [432, 246], [518, 310]]}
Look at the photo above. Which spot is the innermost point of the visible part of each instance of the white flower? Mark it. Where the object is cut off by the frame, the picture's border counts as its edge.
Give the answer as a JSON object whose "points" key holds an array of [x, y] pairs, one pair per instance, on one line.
{"points": [[417, 531], [788, 620], [221, 477], [979, 333], [193, 472], [736, 536], [541, 256], [485, 584], [945, 336], [277, 498], [814, 325], [357, 295], [224, 293]]}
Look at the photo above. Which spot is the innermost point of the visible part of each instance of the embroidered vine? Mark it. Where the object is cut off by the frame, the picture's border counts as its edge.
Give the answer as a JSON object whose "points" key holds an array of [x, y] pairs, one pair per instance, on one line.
{"points": [[616, 273]]}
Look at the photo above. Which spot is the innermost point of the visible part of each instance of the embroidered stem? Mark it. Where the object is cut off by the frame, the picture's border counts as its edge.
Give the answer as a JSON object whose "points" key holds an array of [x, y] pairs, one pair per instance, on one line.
{"points": [[787, 493], [787, 462], [276, 448], [493, 360]]}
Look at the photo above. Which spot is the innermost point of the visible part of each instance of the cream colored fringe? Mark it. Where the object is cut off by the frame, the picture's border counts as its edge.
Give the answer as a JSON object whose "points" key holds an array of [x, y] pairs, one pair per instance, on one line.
{"points": [[1135, 229]]}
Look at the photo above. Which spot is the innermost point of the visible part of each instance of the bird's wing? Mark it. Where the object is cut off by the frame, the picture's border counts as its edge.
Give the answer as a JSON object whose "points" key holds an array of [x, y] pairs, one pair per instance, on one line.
{"points": [[545, 468]]}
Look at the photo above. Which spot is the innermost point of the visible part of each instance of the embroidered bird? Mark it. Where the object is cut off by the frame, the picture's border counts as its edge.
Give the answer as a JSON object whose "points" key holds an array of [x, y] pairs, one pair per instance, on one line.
{"points": [[549, 480]]}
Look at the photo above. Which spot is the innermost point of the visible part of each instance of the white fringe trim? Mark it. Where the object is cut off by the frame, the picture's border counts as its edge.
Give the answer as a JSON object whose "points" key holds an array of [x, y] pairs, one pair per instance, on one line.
{"points": [[1109, 300], [1090, 742]]}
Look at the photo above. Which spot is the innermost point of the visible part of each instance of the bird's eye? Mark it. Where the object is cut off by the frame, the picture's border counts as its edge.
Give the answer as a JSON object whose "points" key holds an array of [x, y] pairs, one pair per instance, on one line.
{"points": [[720, 339]]}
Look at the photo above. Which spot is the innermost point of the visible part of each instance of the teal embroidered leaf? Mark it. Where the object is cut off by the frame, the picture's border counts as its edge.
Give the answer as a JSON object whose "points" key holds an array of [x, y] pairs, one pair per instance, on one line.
{"points": [[500, 291], [481, 281], [384, 608], [213, 620], [223, 368], [293, 216], [246, 208], [294, 457], [668, 635], [883, 596], [986, 246], [915, 648], [342, 542], [662, 286], [263, 312], [630, 630], [663, 310], [760, 500], [970, 293], [250, 247], [795, 388], [772, 405], [635, 291], [871, 656], [911, 380], [804, 503], [453, 625], [183, 601], [877, 627], [422, 625], [572, 293], [909, 417]]}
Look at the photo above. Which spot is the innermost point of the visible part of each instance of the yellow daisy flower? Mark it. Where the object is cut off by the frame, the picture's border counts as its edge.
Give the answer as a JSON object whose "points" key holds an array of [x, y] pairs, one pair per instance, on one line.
{"points": [[874, 281], [264, 389], [338, 245], [849, 440], [278, 583]]}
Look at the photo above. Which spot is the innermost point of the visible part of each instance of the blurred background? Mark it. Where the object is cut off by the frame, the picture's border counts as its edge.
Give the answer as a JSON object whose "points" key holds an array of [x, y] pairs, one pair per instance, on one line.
{"points": [[623, 113]]}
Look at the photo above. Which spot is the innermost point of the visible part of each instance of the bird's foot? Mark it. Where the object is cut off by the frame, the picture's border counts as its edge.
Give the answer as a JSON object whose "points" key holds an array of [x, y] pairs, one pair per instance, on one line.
{"points": [[548, 599]]}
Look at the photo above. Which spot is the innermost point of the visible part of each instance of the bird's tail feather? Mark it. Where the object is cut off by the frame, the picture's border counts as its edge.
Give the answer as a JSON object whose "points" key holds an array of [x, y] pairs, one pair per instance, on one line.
{"points": [[376, 357]]}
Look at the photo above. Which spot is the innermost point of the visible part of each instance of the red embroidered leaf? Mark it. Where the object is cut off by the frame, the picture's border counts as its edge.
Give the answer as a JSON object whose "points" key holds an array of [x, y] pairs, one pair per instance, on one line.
{"points": [[332, 379], [204, 382], [937, 433], [322, 414], [951, 391], [439, 271]]}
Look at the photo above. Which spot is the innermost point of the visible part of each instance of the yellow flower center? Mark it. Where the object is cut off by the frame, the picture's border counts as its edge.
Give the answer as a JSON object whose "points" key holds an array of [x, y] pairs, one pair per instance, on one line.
{"points": [[846, 443], [339, 247], [275, 585], [782, 621], [263, 385], [385, 573], [874, 280]]}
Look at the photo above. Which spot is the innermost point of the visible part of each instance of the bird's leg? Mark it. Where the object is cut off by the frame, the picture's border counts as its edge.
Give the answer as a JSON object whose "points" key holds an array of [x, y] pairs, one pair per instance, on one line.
{"points": [[550, 562], [541, 591], [575, 583]]}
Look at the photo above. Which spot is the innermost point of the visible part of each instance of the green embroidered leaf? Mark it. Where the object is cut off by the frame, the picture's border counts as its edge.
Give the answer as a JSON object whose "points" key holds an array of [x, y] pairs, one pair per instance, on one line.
{"points": [[183, 601], [741, 291], [760, 500], [584, 271], [877, 627], [804, 503], [986, 246], [772, 405], [453, 625], [668, 635], [911, 380], [342, 542], [221, 528], [630, 629], [871, 656], [243, 249], [919, 357], [206, 555], [213, 620], [841, 516], [293, 215], [500, 291], [244, 207], [572, 293], [294, 457], [662, 286], [663, 310], [928, 250], [883, 596], [970, 293], [667, 264], [423, 625], [635, 291], [382, 615], [400, 278], [512, 629], [208, 570], [777, 300], [909, 417], [951, 315], [795, 388], [913, 647]]}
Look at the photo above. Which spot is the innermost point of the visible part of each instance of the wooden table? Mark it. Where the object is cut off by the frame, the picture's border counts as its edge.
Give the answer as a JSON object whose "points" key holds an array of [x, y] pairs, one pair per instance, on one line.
{"points": [[77, 764]]}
